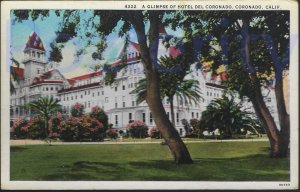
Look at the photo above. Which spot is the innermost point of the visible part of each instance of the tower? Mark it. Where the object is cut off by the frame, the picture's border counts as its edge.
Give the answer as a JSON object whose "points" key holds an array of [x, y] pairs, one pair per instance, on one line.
{"points": [[34, 58]]}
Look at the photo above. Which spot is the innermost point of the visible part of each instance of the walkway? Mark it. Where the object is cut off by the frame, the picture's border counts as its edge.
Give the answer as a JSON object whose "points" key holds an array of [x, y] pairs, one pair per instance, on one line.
{"points": [[41, 142]]}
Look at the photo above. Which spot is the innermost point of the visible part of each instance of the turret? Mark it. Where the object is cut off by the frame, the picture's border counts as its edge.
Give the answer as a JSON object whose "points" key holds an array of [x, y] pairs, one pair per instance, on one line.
{"points": [[34, 57]]}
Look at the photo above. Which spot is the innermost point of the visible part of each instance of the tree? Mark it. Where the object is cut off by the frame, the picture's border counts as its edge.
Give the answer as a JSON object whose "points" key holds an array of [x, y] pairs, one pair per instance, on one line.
{"points": [[172, 83], [229, 117], [252, 45], [45, 106], [102, 23]]}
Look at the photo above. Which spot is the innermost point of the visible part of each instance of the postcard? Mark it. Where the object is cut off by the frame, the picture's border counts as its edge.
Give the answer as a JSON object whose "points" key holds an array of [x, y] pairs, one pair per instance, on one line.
{"points": [[132, 95]]}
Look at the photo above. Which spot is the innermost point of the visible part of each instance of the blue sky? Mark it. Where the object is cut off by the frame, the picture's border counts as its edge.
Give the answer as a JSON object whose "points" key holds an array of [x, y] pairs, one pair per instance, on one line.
{"points": [[70, 65]]}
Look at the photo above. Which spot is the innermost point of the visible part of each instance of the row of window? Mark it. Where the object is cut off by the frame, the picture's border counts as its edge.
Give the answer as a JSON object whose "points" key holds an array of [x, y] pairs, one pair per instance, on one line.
{"points": [[72, 96]]}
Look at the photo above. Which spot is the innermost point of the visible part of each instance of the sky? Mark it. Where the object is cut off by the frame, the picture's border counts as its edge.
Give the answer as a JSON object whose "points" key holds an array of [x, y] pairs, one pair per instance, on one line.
{"points": [[70, 66]]}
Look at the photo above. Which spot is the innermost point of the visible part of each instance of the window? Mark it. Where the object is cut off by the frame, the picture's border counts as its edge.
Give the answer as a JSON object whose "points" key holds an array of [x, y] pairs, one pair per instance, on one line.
{"points": [[132, 103], [102, 92], [116, 105], [72, 98], [106, 99], [67, 98], [177, 117], [130, 116], [210, 94], [93, 94], [116, 120], [98, 93], [124, 104], [150, 118], [89, 104], [75, 96], [123, 87], [81, 96], [51, 88], [47, 88], [85, 92], [197, 115], [207, 93], [116, 88], [89, 92], [192, 114], [144, 117]]}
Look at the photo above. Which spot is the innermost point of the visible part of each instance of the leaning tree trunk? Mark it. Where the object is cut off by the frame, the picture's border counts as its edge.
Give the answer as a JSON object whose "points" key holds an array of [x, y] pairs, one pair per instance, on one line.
{"points": [[277, 141], [284, 118], [149, 59], [267, 121], [169, 133]]}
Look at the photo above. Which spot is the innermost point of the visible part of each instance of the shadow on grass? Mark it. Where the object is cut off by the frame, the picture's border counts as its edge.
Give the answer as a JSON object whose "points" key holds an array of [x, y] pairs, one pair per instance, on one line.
{"points": [[85, 170], [257, 167], [17, 149]]}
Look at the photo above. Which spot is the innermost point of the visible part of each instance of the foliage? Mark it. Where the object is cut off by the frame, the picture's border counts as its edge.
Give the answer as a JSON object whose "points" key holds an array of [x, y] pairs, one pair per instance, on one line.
{"points": [[100, 115], [137, 129], [154, 133], [229, 117], [112, 133], [90, 128], [77, 110], [36, 128], [54, 123], [68, 128], [196, 126], [20, 128], [172, 83], [45, 107], [81, 128]]}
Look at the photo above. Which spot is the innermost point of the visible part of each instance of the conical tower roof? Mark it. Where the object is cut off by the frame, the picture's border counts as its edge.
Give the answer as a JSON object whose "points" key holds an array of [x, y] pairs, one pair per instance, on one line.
{"points": [[34, 42]]}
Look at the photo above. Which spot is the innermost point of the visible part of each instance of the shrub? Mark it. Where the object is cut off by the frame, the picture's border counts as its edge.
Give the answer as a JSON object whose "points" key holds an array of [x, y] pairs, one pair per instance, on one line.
{"points": [[196, 125], [154, 133], [137, 129], [100, 115], [54, 123], [77, 110], [20, 128], [68, 129], [36, 128], [112, 133], [90, 128]]}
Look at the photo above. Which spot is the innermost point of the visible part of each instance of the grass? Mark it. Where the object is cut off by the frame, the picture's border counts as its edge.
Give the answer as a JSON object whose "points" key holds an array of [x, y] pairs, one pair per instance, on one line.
{"points": [[230, 161]]}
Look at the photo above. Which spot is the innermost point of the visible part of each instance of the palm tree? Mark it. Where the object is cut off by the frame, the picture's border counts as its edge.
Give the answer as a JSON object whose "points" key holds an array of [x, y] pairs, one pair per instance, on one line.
{"points": [[172, 72], [228, 116], [45, 106]]}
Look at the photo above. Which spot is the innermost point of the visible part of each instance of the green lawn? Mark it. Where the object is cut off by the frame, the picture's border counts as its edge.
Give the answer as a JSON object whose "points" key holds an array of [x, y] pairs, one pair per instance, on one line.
{"points": [[227, 161]]}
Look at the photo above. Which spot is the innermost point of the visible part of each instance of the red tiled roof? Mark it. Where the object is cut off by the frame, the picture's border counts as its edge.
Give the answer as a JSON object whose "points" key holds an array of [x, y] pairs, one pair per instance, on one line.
{"points": [[79, 87], [34, 42], [215, 85], [126, 60], [45, 81], [174, 52], [86, 76], [224, 76], [19, 72], [71, 81], [161, 29], [135, 45]]}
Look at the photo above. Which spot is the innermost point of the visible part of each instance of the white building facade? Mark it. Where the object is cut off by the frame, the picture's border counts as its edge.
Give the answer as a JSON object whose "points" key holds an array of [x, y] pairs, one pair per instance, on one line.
{"points": [[91, 90]]}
